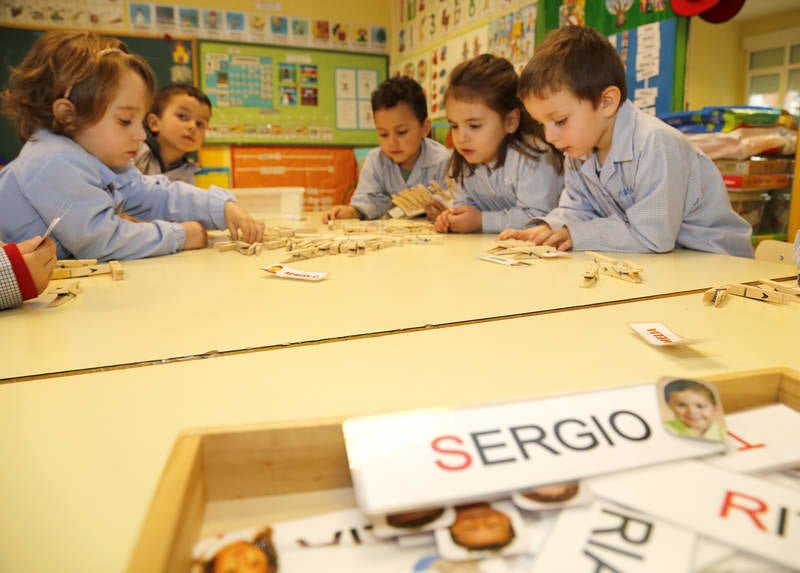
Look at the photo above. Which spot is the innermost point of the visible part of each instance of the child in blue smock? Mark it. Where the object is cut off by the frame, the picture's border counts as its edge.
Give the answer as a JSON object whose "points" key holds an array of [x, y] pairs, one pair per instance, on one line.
{"points": [[78, 101], [406, 156], [506, 171], [633, 183], [176, 128]]}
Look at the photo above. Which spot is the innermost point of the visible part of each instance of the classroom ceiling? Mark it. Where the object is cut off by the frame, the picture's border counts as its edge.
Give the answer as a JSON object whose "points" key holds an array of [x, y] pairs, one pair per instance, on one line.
{"points": [[759, 8]]}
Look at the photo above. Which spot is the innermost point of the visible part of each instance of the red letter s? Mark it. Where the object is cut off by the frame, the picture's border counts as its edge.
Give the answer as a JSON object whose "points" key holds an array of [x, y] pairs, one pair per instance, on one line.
{"points": [[467, 458]]}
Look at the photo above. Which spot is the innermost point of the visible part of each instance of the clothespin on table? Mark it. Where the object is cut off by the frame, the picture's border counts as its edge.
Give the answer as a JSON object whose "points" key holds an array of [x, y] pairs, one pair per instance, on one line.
{"points": [[64, 293], [621, 269], [67, 269], [717, 295]]}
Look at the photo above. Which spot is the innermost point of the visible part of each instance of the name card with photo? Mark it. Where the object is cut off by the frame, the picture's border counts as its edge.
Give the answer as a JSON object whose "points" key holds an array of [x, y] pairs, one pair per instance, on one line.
{"points": [[737, 509], [426, 458]]}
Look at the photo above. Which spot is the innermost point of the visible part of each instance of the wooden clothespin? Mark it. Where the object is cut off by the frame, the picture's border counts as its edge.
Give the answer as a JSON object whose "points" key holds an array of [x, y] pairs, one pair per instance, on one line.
{"points": [[87, 268], [621, 269], [757, 293], [590, 276], [716, 295], [64, 293], [223, 246], [793, 292]]}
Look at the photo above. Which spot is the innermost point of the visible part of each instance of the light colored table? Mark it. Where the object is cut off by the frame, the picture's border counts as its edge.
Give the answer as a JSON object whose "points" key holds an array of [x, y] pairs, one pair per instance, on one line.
{"points": [[205, 301], [81, 454]]}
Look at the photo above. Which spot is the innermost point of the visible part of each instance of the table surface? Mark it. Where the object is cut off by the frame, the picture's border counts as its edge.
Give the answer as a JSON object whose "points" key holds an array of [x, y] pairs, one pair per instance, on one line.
{"points": [[204, 302], [83, 453]]}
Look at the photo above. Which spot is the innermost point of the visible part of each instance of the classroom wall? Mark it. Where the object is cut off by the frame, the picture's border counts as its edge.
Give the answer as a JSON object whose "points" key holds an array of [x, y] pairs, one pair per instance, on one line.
{"points": [[720, 47], [376, 12]]}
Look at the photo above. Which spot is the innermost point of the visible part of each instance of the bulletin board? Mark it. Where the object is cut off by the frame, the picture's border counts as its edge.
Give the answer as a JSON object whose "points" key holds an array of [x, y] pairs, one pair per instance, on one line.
{"points": [[649, 36], [172, 61], [282, 95]]}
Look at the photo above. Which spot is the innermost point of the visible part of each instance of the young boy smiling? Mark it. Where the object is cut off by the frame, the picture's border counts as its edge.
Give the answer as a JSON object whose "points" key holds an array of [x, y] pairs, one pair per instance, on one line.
{"points": [[406, 157], [632, 183]]}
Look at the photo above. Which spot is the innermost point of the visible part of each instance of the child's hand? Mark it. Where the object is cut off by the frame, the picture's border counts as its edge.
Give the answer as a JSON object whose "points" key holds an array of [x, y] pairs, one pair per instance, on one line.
{"points": [[525, 234], [433, 210], [40, 257], [561, 239], [465, 219], [241, 225], [196, 236], [341, 212], [442, 223]]}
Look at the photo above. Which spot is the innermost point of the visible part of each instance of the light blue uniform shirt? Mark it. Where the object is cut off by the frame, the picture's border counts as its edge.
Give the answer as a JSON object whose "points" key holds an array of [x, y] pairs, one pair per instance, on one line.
{"points": [[381, 178], [512, 194], [797, 251], [53, 172], [655, 192]]}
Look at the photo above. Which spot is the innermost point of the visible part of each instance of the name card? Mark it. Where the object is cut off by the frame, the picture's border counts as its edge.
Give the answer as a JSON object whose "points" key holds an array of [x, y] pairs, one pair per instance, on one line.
{"points": [[607, 537], [736, 509], [657, 334], [761, 439], [427, 458]]}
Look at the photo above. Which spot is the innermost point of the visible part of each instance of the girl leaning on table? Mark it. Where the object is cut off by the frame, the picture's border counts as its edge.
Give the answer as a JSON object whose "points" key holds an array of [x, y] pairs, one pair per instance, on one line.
{"points": [[507, 171], [78, 100]]}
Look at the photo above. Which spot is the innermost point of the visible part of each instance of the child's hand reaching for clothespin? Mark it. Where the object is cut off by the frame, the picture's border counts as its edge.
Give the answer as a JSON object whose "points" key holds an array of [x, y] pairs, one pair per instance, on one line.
{"points": [[241, 225]]}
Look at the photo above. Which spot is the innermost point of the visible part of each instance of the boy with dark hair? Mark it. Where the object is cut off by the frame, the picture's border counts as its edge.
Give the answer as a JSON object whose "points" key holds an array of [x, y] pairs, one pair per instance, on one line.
{"points": [[406, 157], [176, 127], [632, 182]]}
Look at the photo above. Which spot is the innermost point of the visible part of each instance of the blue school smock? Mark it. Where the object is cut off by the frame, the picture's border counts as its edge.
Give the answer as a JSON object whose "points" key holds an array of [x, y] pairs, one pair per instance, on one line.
{"points": [[515, 192], [381, 177], [53, 172], [655, 192]]}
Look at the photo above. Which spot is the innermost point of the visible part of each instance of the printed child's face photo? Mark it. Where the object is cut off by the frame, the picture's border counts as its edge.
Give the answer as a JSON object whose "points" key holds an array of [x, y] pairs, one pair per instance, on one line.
{"points": [[553, 493], [414, 519], [241, 557], [400, 134], [693, 408], [480, 526]]}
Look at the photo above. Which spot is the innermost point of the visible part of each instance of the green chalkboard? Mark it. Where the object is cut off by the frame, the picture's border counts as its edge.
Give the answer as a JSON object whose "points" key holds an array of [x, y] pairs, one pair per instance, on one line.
{"points": [[284, 95], [172, 60]]}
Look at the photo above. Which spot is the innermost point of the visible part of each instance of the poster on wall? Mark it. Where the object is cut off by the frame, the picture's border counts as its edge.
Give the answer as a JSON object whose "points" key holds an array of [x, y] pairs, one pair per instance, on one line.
{"points": [[273, 94], [513, 36], [648, 53]]}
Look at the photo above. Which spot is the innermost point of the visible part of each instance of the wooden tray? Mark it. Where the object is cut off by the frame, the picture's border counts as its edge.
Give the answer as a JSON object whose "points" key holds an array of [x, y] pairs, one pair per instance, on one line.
{"points": [[308, 460]]}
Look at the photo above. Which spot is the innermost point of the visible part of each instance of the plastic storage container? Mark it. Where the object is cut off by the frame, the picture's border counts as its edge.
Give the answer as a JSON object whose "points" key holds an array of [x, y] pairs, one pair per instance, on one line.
{"points": [[271, 201], [776, 212], [750, 205]]}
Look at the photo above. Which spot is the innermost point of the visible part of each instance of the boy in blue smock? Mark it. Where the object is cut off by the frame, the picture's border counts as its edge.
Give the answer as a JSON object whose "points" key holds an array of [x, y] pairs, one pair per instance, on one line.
{"points": [[406, 156], [632, 183]]}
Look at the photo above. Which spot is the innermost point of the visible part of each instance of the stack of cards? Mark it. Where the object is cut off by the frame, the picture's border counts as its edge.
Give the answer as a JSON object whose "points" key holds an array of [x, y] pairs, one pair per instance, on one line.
{"points": [[650, 478]]}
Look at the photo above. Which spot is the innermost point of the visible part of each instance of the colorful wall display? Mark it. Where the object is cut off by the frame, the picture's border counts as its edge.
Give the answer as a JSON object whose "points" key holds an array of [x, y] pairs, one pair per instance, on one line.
{"points": [[272, 94]]}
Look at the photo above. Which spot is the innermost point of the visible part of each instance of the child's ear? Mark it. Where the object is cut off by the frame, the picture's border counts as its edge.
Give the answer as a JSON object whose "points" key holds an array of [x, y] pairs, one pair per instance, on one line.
{"points": [[609, 100], [511, 123], [152, 122], [64, 111], [426, 127]]}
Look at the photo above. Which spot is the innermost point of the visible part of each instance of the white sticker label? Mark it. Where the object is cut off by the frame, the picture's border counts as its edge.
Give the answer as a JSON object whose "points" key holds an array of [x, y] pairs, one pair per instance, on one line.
{"points": [[281, 270], [657, 334]]}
